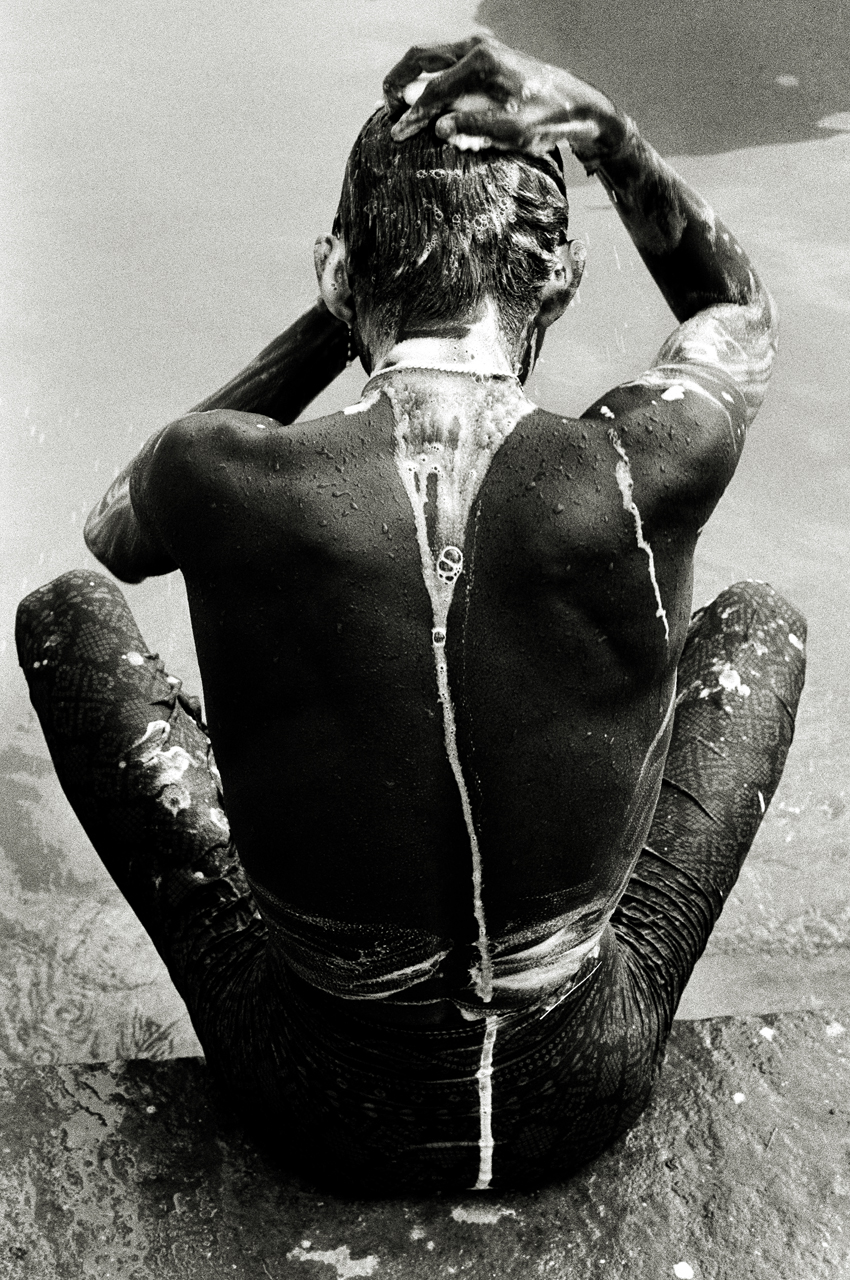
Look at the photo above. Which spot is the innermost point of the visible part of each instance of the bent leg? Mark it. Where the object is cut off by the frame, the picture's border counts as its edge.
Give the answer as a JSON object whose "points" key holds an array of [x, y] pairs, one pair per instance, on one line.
{"points": [[137, 767], [740, 680]]}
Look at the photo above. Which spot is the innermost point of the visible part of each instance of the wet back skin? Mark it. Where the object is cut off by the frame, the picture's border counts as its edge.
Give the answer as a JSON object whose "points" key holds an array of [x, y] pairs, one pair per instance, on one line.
{"points": [[489, 788], [314, 634]]}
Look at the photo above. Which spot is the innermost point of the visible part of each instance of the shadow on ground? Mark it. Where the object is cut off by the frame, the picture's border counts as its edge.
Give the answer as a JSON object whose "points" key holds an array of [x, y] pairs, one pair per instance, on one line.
{"points": [[698, 78]]}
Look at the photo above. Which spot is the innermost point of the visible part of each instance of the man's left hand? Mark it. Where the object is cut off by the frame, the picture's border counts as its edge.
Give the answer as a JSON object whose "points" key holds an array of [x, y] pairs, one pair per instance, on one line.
{"points": [[483, 94]]}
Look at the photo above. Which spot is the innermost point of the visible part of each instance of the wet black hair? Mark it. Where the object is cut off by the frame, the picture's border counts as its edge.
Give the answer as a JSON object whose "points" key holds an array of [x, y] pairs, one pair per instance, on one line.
{"points": [[431, 231]]}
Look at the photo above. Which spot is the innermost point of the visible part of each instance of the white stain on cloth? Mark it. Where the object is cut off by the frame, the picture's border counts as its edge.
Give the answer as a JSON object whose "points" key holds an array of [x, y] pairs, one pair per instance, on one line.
{"points": [[767, 1033], [728, 680], [165, 767], [219, 817], [482, 1216], [676, 392], [834, 1029], [683, 1271], [346, 1266], [485, 1105], [547, 964], [738, 1098], [625, 483]]}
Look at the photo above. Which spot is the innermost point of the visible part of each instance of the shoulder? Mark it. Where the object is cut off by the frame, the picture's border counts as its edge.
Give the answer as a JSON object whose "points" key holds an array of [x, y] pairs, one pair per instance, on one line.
{"points": [[681, 428], [197, 451], [176, 480], [199, 436]]}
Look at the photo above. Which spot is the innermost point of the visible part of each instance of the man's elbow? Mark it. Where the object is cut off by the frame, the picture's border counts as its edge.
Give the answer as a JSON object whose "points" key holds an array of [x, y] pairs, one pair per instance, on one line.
{"points": [[117, 542], [759, 342]]}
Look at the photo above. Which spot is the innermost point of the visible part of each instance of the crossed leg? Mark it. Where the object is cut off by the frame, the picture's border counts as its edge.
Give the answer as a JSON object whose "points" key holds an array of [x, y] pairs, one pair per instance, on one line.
{"points": [[740, 679], [137, 767]]}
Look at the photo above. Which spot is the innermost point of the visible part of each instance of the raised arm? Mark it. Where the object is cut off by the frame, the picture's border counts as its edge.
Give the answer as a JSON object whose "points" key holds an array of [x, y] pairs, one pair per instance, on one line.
{"points": [[483, 94], [278, 384], [290, 372]]}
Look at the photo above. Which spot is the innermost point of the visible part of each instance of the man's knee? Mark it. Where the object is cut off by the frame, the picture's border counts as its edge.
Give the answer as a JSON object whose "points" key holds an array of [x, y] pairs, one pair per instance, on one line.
{"points": [[748, 645], [49, 617], [757, 606], [754, 616]]}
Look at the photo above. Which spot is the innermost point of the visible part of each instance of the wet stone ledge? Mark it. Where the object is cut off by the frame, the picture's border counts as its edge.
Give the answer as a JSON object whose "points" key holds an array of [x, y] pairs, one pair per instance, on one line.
{"points": [[741, 1166]]}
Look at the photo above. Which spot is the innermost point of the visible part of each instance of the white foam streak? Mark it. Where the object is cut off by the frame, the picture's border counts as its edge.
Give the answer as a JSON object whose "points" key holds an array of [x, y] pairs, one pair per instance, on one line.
{"points": [[625, 484], [456, 448], [485, 1105]]}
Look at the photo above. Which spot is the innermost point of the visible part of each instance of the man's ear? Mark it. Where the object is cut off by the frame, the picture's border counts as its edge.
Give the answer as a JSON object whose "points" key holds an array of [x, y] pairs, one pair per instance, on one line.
{"points": [[332, 275], [562, 285]]}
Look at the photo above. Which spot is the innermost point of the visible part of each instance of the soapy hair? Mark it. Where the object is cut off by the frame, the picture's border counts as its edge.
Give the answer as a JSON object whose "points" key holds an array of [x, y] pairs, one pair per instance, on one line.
{"points": [[432, 231]]}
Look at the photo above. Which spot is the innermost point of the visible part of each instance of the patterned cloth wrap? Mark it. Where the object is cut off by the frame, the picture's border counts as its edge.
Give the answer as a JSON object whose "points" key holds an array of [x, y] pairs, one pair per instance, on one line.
{"points": [[370, 1104]]}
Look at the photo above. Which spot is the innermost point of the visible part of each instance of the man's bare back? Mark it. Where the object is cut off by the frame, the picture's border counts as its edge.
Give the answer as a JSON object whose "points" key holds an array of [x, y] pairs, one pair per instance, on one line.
{"points": [[463, 633]]}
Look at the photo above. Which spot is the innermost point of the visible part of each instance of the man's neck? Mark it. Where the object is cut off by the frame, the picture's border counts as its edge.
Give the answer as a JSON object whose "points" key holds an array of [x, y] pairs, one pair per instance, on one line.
{"points": [[474, 346]]}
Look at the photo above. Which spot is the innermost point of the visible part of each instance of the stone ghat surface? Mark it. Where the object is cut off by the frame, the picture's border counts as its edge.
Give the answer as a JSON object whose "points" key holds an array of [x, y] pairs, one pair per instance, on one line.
{"points": [[740, 1166]]}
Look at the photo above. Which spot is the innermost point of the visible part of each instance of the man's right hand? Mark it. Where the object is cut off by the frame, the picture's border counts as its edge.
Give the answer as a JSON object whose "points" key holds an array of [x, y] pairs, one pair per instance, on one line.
{"points": [[483, 94]]}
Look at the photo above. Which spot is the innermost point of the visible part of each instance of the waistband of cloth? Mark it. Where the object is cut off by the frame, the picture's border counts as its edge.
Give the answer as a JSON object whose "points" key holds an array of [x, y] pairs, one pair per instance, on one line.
{"points": [[402, 966]]}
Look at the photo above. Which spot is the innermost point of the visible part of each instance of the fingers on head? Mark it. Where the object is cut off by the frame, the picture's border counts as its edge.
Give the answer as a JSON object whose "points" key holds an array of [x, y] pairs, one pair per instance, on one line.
{"points": [[500, 129], [409, 124], [434, 57]]}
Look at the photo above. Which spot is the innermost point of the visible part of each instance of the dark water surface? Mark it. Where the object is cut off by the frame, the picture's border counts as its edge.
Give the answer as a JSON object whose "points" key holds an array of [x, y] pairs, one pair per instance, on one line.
{"points": [[699, 78], [166, 168]]}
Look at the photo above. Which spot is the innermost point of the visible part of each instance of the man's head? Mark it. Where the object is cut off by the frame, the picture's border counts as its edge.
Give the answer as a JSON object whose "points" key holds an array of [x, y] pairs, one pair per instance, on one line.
{"points": [[426, 234]]}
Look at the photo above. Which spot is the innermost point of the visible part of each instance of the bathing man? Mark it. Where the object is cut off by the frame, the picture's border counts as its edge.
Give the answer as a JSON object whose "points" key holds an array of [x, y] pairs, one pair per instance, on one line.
{"points": [[488, 781]]}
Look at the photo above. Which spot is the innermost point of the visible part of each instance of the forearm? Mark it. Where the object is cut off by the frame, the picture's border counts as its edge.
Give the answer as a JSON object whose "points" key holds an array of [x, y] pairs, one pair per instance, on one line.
{"points": [[487, 95], [727, 316], [695, 261], [289, 372]]}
